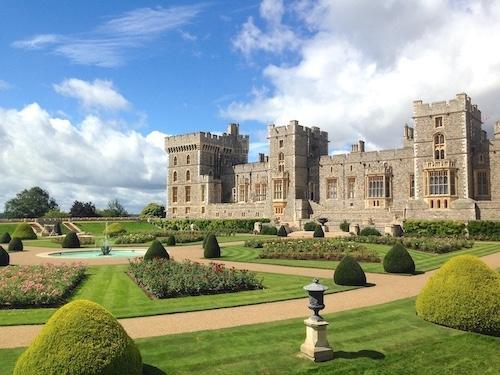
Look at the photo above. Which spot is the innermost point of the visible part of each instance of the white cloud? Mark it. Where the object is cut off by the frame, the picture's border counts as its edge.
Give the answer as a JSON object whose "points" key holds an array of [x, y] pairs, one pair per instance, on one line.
{"points": [[96, 94], [364, 63], [86, 161], [108, 44], [4, 85]]}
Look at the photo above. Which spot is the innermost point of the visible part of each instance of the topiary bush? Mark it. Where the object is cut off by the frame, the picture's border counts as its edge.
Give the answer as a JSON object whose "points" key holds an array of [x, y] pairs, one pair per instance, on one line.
{"points": [[81, 337], [269, 230], [115, 229], [434, 228], [463, 294], [211, 249], [156, 250], [310, 226], [4, 257], [349, 272], [398, 260], [318, 232], [24, 231], [369, 231], [71, 241], [15, 244], [282, 232], [57, 228], [5, 237], [170, 241], [344, 226], [484, 230]]}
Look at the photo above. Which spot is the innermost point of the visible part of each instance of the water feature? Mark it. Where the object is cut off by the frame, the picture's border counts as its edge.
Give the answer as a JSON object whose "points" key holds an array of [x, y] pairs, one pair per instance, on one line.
{"points": [[90, 254]]}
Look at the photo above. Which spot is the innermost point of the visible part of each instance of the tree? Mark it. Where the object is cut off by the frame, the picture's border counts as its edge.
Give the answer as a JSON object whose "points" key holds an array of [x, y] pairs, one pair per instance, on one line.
{"points": [[30, 203], [83, 209], [114, 209], [153, 210]]}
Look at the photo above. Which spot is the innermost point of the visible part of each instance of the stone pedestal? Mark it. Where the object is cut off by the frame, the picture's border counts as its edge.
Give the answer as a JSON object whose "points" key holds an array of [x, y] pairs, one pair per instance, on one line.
{"points": [[354, 229], [325, 228], [316, 346]]}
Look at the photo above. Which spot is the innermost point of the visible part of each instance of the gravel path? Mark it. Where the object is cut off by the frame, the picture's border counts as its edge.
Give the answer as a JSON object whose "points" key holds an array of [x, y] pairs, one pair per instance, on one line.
{"points": [[387, 288]]}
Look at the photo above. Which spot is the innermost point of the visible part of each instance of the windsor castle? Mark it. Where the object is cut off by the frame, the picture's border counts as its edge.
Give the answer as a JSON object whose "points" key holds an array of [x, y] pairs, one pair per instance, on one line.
{"points": [[447, 168]]}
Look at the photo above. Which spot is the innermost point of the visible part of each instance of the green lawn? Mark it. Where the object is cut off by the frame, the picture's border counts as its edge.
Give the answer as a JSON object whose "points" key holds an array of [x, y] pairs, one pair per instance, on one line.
{"points": [[385, 339], [97, 228], [111, 287], [8, 227], [423, 261]]}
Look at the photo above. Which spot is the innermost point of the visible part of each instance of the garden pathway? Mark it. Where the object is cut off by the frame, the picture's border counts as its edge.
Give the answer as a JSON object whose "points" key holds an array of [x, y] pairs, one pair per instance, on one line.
{"points": [[388, 288]]}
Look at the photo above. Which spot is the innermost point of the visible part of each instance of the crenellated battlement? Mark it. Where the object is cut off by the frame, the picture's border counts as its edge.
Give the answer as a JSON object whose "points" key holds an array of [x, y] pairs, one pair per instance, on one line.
{"points": [[461, 103], [295, 128]]}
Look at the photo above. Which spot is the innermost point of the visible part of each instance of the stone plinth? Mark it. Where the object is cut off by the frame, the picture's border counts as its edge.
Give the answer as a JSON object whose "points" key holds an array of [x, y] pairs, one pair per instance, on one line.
{"points": [[316, 346]]}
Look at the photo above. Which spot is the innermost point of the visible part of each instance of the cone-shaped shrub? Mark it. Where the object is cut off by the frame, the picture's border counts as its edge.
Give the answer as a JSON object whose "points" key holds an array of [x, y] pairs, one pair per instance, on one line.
{"points": [[57, 228], [4, 257], [15, 244], [349, 272], [81, 337], [205, 240], [5, 237], [463, 294], [71, 241], [212, 249], [282, 232], [24, 231], [398, 260], [318, 232], [156, 250], [170, 241]]}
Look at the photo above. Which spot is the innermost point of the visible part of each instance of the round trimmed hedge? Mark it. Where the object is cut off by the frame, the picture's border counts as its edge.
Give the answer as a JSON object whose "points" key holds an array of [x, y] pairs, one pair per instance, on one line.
{"points": [[318, 232], [269, 230], [5, 237], [369, 231], [71, 241], [81, 337], [212, 248], [282, 232], [310, 226], [349, 272], [170, 241], [15, 244], [463, 294], [115, 229], [156, 250], [398, 260], [24, 231], [4, 257]]}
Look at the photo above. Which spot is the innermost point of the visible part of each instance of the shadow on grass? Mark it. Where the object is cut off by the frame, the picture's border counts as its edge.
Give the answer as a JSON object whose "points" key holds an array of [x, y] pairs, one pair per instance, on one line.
{"points": [[372, 354], [151, 370]]}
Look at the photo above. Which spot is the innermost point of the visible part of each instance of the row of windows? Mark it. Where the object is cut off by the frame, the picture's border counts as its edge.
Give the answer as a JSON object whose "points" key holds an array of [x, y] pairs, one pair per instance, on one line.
{"points": [[175, 177], [188, 160]]}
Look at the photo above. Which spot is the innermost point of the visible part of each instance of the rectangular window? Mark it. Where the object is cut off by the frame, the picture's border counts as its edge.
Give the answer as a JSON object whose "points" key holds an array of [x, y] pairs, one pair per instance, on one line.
{"points": [[376, 187], [438, 121], [331, 188], [203, 210], [174, 210], [187, 193], [203, 193], [412, 185], [188, 210], [351, 183], [260, 192], [438, 182], [242, 196], [279, 190], [174, 194], [482, 183]]}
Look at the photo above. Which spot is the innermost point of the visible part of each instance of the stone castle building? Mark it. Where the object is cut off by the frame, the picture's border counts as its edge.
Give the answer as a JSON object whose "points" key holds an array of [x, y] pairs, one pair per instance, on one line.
{"points": [[447, 168]]}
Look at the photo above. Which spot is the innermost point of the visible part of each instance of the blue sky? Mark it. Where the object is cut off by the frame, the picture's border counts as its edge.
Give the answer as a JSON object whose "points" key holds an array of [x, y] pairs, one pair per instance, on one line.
{"points": [[89, 89]]}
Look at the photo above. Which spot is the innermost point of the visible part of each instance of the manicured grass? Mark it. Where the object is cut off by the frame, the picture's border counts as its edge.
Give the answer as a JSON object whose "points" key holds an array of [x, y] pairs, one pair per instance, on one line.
{"points": [[385, 339], [8, 227], [236, 238], [111, 287], [97, 228], [423, 261]]}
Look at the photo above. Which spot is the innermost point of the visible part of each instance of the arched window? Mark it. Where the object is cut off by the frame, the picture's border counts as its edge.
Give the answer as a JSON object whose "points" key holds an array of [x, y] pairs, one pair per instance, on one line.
{"points": [[188, 159], [281, 162], [188, 176], [210, 173], [439, 153], [174, 176], [175, 160]]}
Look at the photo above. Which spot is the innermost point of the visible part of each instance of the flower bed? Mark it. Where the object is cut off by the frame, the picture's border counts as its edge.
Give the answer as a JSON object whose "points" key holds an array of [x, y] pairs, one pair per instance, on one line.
{"points": [[40, 285], [317, 249], [165, 278], [180, 236], [428, 245]]}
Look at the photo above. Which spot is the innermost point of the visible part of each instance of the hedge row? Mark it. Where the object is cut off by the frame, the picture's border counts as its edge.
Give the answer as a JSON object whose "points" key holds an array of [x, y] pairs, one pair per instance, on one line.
{"points": [[484, 230], [477, 229], [211, 225]]}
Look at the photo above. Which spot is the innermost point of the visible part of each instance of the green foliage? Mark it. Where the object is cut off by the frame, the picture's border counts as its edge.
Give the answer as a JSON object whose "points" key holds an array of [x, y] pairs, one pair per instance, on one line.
{"points": [[81, 337], [4, 257], [56, 214], [15, 244], [30, 203], [24, 231], [165, 279], [463, 294], [269, 230], [83, 209], [5, 237], [310, 226], [153, 210], [282, 232], [344, 226], [115, 230], [437, 228], [211, 248], [58, 228], [484, 230], [349, 272], [318, 232], [156, 250], [170, 241], [114, 209], [398, 260], [369, 231], [71, 241], [254, 244], [209, 225]]}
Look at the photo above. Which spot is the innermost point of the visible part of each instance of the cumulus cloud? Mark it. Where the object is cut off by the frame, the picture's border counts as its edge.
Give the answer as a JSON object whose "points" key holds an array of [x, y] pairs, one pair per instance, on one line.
{"points": [[362, 63], [97, 94], [89, 160]]}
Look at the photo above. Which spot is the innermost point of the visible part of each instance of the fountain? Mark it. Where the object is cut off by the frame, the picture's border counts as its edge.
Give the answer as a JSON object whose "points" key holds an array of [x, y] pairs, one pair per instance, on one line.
{"points": [[106, 248]]}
